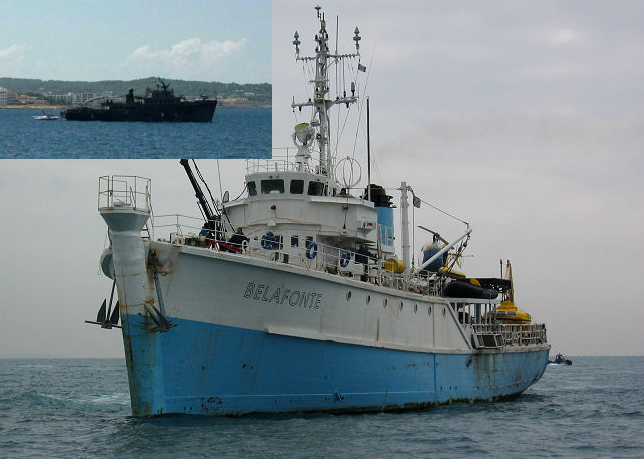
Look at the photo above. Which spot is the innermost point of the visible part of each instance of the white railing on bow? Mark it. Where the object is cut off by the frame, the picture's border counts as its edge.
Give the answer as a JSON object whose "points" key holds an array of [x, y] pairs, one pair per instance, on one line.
{"points": [[124, 190]]}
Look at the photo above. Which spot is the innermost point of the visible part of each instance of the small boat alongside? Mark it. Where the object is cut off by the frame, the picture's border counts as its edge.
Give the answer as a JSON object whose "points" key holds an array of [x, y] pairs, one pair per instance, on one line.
{"points": [[560, 360]]}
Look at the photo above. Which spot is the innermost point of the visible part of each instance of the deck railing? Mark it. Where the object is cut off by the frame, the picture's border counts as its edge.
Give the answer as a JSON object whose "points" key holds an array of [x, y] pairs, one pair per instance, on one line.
{"points": [[283, 159], [303, 252]]}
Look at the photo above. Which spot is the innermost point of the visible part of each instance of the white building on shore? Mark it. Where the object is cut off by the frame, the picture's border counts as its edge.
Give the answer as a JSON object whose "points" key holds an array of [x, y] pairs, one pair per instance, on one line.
{"points": [[7, 97], [78, 98]]}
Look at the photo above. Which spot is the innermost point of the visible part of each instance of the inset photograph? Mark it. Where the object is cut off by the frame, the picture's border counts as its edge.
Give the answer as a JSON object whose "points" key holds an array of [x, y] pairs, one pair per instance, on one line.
{"points": [[152, 79]]}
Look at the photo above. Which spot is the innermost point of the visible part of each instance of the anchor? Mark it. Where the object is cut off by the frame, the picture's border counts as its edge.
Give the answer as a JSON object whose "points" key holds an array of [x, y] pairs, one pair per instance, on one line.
{"points": [[107, 318], [157, 315], [162, 324]]}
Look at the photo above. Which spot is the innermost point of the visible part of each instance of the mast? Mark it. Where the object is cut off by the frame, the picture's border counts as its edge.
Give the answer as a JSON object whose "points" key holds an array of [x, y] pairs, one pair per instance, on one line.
{"points": [[368, 156], [320, 103], [404, 230]]}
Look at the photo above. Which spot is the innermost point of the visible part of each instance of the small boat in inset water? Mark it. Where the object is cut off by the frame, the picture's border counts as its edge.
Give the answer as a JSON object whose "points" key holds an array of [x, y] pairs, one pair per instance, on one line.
{"points": [[45, 117]]}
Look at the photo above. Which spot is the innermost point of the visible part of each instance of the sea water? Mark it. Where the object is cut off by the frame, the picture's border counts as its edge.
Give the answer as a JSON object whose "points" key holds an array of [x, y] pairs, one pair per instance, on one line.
{"points": [[60, 408], [233, 133]]}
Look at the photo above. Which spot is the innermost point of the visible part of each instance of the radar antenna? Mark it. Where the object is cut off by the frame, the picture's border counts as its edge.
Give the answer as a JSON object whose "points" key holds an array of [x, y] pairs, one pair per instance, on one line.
{"points": [[303, 139]]}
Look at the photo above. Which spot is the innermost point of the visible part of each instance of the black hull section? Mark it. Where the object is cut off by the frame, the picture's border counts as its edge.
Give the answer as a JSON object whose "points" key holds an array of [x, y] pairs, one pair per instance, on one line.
{"points": [[198, 111]]}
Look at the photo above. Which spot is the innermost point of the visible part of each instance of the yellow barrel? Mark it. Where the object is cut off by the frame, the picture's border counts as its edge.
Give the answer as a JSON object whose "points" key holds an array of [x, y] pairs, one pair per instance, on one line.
{"points": [[394, 265]]}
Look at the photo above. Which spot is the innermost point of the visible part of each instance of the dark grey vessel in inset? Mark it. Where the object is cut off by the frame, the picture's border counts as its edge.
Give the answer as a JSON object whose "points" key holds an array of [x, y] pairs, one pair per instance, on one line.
{"points": [[158, 105]]}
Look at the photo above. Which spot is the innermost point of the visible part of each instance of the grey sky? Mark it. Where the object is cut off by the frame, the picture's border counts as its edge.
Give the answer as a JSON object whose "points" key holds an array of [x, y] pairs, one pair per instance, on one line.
{"points": [[525, 119], [522, 118]]}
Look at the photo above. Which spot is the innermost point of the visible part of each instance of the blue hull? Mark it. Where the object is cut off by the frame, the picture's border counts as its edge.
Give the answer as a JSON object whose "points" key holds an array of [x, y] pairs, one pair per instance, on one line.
{"points": [[200, 368]]}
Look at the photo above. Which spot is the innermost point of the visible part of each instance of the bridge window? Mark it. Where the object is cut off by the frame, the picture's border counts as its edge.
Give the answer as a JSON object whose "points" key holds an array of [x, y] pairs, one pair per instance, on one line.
{"points": [[316, 188], [252, 190], [297, 186], [272, 186]]}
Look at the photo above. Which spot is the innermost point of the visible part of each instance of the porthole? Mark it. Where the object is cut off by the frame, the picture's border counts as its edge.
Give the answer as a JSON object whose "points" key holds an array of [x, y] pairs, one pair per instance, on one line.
{"points": [[348, 296], [368, 298], [444, 311], [401, 305], [415, 308], [384, 303], [429, 310]]}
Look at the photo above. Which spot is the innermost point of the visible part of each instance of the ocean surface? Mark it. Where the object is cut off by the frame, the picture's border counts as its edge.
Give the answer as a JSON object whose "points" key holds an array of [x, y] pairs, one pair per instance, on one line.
{"points": [[69, 408], [233, 133]]}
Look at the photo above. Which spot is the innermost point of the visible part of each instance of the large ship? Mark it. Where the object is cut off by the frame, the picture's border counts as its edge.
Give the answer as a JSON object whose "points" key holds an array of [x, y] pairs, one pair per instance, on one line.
{"points": [[291, 298], [157, 105]]}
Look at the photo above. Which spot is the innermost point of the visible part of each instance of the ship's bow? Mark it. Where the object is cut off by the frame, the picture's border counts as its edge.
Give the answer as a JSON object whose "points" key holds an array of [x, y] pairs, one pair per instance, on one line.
{"points": [[124, 204]]}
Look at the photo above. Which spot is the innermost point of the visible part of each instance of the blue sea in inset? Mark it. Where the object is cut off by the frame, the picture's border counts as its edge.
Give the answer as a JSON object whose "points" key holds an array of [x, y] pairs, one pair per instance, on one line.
{"points": [[60, 408], [233, 133]]}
